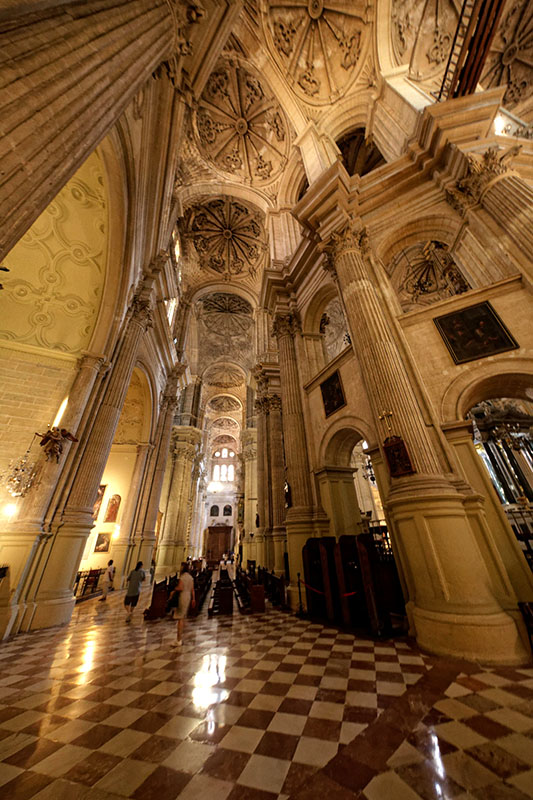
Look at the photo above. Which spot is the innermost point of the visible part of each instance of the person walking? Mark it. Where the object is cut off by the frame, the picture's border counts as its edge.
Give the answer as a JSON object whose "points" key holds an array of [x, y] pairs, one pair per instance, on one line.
{"points": [[187, 599], [135, 578], [107, 583]]}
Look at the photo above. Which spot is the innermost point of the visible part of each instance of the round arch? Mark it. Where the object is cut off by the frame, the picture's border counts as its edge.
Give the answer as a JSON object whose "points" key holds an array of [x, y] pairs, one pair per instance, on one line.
{"points": [[443, 227], [340, 439], [510, 378], [313, 312]]}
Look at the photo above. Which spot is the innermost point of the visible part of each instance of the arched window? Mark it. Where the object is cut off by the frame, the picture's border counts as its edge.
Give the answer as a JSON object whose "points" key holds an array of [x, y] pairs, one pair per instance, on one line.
{"points": [[224, 472], [216, 472], [231, 472], [214, 511], [227, 511], [224, 452]]}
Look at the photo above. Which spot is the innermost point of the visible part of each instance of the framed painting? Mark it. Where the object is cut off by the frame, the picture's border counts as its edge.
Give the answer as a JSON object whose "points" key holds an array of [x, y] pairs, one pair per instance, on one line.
{"points": [[474, 332], [99, 498], [103, 542], [112, 509], [332, 393]]}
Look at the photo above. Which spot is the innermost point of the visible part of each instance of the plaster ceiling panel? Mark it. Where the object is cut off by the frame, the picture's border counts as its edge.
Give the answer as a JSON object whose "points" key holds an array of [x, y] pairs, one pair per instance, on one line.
{"points": [[510, 60], [240, 127], [224, 403], [405, 18], [225, 330], [221, 376], [226, 424], [320, 45], [228, 236], [54, 288]]}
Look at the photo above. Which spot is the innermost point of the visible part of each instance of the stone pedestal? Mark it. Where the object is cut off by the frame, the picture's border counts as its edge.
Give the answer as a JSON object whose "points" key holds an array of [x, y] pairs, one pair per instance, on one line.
{"points": [[277, 480], [339, 499]]}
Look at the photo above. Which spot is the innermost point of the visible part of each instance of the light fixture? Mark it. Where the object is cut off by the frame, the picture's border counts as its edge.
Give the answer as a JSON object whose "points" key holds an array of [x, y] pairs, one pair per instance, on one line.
{"points": [[20, 475], [59, 415], [10, 509]]}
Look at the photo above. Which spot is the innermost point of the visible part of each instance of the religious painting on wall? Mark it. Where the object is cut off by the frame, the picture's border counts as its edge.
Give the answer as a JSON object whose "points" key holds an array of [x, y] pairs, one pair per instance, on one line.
{"points": [[332, 394], [474, 332], [111, 511], [99, 498], [397, 457], [103, 542]]}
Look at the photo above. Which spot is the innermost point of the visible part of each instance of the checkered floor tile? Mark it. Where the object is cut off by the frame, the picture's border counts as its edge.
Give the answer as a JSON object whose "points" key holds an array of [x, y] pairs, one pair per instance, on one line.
{"points": [[249, 708]]}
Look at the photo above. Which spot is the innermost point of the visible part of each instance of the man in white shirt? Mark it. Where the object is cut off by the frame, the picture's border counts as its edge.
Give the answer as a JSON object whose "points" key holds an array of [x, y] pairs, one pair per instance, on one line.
{"points": [[185, 588], [107, 583]]}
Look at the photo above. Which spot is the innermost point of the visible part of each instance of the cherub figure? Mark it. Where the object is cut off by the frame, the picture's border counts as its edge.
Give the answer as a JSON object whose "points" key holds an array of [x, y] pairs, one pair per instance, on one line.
{"points": [[52, 441]]}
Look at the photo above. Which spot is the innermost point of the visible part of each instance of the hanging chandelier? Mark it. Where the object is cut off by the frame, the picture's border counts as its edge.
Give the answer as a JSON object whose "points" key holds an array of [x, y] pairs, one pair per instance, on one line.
{"points": [[20, 475]]}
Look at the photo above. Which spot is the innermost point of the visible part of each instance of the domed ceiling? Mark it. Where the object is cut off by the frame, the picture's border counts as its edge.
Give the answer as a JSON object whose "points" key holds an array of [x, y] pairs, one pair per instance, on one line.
{"points": [[228, 236], [240, 127], [318, 44]]}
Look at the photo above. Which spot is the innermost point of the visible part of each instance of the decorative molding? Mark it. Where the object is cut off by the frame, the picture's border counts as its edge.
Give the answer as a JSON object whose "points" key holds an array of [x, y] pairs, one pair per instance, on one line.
{"points": [[510, 59], [318, 45], [481, 171], [239, 125], [224, 403], [286, 325], [228, 236]]}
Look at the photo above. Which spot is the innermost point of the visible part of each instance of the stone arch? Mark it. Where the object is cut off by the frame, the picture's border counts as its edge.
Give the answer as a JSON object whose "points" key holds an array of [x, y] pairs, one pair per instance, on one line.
{"points": [[339, 440], [232, 400], [136, 418], [313, 313], [442, 226], [510, 378]]}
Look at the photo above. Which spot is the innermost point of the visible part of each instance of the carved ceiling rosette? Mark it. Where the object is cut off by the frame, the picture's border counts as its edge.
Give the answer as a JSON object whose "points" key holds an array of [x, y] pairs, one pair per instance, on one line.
{"points": [[319, 44], [240, 126], [224, 403], [510, 60], [228, 236]]}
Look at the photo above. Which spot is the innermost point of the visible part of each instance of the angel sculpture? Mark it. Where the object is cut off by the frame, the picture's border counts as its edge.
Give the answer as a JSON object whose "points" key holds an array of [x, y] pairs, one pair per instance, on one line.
{"points": [[52, 441]]}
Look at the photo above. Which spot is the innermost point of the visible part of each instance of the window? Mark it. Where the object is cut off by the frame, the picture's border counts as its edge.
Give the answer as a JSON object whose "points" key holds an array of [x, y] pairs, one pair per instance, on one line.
{"points": [[231, 472], [216, 472], [227, 511], [171, 306], [223, 472], [224, 452], [214, 511], [217, 454], [231, 454]]}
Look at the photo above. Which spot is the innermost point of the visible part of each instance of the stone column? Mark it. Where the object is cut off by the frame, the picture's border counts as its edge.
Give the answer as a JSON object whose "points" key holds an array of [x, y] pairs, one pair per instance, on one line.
{"points": [[23, 539], [277, 481], [53, 600], [453, 602], [299, 517], [146, 529], [172, 547], [123, 545], [257, 545], [69, 71], [249, 452], [490, 184]]}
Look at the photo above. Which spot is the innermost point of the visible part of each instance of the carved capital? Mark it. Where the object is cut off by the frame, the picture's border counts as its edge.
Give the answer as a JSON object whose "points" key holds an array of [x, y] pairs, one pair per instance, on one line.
{"points": [[482, 170], [141, 310], [93, 361], [275, 402], [157, 264], [261, 405], [286, 325]]}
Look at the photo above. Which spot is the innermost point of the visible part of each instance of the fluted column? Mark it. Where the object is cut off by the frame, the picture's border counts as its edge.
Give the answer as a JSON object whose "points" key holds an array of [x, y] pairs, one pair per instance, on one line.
{"points": [[455, 601], [277, 481], [52, 601], [261, 410], [249, 452], [173, 538], [146, 529], [68, 72], [285, 327]]}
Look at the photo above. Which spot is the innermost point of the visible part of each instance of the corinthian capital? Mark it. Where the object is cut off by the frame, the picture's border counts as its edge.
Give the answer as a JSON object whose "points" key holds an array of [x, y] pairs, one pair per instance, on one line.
{"points": [[481, 171], [285, 325], [141, 309], [274, 401]]}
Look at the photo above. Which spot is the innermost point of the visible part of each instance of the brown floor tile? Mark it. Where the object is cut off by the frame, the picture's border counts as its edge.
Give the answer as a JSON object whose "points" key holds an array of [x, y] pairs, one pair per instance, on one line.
{"points": [[307, 680], [96, 736], [45, 726], [206, 733], [155, 749], [144, 685], [240, 698], [297, 775], [321, 785], [163, 784], [478, 703], [500, 791], [487, 727], [92, 768], [293, 705], [98, 713], [428, 782], [278, 689], [256, 718], [33, 753], [424, 742], [247, 793], [151, 721], [278, 745], [497, 759], [361, 686], [146, 702], [322, 729], [331, 696], [24, 786], [363, 716], [226, 765], [9, 712]]}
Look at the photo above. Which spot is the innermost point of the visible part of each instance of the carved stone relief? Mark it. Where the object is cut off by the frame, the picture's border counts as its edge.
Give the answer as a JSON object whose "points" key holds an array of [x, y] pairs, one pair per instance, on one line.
{"points": [[334, 329], [318, 44], [225, 439], [482, 169], [240, 126], [424, 273], [225, 424], [223, 377], [405, 19], [228, 236], [435, 34], [224, 403], [510, 61], [225, 328], [57, 269]]}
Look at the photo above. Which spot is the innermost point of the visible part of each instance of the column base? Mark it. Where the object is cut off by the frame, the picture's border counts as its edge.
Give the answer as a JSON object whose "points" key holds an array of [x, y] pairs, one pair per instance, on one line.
{"points": [[487, 638], [47, 613]]}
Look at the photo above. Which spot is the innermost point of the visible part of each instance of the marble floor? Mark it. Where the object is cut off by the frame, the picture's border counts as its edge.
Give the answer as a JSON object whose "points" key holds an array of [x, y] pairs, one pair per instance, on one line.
{"points": [[253, 708]]}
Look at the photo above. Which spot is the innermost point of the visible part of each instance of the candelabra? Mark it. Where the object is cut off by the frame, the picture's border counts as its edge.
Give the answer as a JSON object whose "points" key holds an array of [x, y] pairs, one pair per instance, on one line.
{"points": [[20, 475]]}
